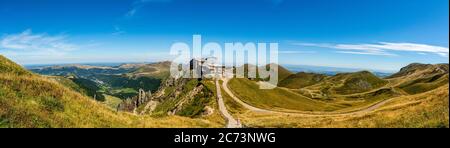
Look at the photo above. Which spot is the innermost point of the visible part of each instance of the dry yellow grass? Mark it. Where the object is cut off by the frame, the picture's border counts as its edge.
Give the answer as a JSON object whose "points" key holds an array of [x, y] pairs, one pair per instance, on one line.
{"points": [[34, 101]]}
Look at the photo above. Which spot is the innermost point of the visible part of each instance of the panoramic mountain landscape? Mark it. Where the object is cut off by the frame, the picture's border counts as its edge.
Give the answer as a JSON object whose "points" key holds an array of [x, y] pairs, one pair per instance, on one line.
{"points": [[224, 64], [90, 96]]}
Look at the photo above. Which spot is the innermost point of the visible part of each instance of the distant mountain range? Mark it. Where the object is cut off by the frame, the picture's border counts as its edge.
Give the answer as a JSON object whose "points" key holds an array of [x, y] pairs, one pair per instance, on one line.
{"points": [[327, 70], [331, 71], [112, 65]]}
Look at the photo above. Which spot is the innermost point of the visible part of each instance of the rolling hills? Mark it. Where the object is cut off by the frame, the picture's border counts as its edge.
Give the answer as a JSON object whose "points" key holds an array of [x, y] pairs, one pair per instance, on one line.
{"points": [[349, 83], [343, 92], [416, 96], [276, 99], [425, 110]]}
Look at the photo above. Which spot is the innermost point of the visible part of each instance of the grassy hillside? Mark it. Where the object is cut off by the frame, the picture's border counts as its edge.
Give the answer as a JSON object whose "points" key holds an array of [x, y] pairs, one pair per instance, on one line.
{"points": [[276, 99], [8, 66], [421, 85], [301, 80], [159, 70], [283, 73], [68, 83], [90, 87], [358, 82], [419, 78], [348, 83], [28, 100], [188, 97], [116, 85], [323, 94], [417, 67]]}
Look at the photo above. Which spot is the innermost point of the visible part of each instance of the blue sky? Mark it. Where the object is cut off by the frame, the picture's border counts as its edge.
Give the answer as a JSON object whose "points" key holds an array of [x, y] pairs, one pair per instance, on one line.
{"points": [[370, 34]]}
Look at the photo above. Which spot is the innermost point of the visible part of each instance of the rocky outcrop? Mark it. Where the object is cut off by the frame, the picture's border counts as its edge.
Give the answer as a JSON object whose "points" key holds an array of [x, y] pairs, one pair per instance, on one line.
{"points": [[131, 104], [417, 67], [185, 97]]}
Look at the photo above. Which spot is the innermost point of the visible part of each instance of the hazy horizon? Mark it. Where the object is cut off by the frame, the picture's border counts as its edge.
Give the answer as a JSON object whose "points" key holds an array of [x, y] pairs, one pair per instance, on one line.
{"points": [[289, 66], [369, 34]]}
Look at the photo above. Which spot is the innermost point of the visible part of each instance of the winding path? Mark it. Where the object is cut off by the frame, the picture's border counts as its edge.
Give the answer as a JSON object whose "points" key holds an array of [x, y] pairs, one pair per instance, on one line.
{"points": [[247, 106], [255, 109], [231, 122]]}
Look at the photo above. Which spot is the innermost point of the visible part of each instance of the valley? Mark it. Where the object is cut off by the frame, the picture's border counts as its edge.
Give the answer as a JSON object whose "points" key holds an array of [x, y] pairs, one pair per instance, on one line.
{"points": [[122, 81]]}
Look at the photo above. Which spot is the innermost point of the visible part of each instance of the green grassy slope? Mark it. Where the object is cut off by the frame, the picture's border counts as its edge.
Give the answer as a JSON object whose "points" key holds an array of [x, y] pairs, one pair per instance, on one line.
{"points": [[277, 99], [418, 78], [410, 69], [184, 99], [359, 82], [8, 66], [301, 80], [421, 85], [69, 83], [159, 70], [283, 73], [349, 83]]}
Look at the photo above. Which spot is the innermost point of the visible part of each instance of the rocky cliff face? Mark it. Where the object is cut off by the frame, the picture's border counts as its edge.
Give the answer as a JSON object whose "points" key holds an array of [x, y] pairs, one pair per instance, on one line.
{"points": [[185, 97]]}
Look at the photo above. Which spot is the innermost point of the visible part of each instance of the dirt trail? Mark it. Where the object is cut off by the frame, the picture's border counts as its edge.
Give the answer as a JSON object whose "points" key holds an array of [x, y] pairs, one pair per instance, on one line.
{"points": [[231, 122], [249, 107]]}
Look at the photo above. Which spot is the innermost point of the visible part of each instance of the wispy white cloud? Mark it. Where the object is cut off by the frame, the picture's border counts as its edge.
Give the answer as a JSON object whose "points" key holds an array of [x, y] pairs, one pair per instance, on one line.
{"points": [[295, 52], [27, 41], [367, 53], [139, 4], [118, 31], [28, 45], [382, 48]]}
